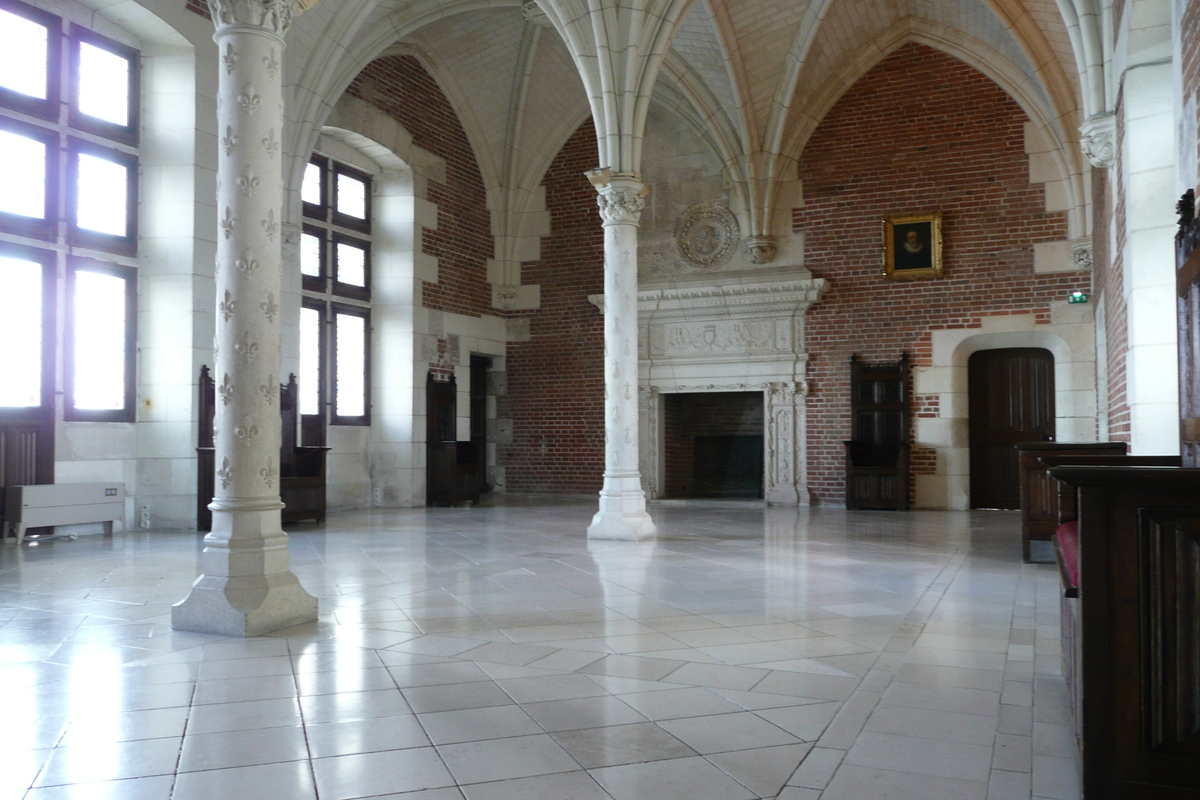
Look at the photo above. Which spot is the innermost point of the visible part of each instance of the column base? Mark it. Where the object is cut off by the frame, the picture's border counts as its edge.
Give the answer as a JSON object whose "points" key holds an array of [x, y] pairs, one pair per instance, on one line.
{"points": [[247, 606], [622, 515]]}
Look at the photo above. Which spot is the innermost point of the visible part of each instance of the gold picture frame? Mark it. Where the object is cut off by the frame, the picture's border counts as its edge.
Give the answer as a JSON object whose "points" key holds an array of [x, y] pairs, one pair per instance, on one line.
{"points": [[912, 246]]}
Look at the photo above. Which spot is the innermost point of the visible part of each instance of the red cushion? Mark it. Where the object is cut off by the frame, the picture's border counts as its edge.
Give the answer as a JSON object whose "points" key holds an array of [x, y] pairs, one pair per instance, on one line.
{"points": [[1068, 543]]}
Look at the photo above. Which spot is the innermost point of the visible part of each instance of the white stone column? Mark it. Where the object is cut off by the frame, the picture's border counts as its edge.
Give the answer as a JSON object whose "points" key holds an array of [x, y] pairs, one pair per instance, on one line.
{"points": [[246, 587], [784, 435], [622, 513]]}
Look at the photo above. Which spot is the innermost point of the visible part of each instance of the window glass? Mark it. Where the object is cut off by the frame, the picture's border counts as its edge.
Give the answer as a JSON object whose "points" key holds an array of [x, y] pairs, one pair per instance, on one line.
{"points": [[310, 255], [351, 196], [310, 361], [310, 188], [350, 399], [23, 55], [23, 176], [103, 84], [351, 264], [100, 316], [102, 193], [20, 321]]}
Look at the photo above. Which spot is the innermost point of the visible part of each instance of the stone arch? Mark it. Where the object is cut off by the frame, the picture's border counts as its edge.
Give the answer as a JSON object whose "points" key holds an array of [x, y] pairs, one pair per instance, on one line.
{"points": [[1070, 337]]}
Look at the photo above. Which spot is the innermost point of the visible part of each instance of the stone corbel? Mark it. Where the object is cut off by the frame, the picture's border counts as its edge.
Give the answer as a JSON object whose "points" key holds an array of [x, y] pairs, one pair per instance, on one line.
{"points": [[1098, 139], [761, 249]]}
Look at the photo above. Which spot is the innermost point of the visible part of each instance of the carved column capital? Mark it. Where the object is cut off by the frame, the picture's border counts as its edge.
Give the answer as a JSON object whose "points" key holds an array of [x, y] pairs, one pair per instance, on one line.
{"points": [[761, 249], [1098, 139], [272, 16], [621, 197]]}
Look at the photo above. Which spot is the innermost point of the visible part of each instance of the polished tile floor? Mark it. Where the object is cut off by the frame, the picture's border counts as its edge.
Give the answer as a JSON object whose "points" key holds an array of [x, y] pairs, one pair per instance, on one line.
{"points": [[494, 654]]}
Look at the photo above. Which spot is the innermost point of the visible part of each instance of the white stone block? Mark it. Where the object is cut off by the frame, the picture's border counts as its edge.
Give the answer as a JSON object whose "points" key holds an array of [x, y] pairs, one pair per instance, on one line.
{"points": [[1052, 257]]}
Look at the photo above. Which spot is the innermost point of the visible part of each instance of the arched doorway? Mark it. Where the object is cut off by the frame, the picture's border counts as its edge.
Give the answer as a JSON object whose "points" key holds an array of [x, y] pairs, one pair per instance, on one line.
{"points": [[1011, 401]]}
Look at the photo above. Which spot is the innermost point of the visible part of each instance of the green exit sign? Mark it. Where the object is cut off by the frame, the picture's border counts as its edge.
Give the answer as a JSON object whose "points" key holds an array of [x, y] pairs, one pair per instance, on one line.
{"points": [[1077, 297]]}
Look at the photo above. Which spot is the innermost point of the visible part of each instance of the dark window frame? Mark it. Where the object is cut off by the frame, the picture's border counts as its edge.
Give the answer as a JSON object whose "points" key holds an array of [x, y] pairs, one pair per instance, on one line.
{"points": [[94, 240], [321, 307], [354, 311], [316, 283], [125, 134], [349, 290], [48, 108], [128, 412], [48, 259], [345, 220], [318, 210], [45, 228]]}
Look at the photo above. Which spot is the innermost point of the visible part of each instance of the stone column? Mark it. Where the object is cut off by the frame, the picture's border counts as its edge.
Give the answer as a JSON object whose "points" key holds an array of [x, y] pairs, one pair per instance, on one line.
{"points": [[784, 432], [246, 587], [622, 513]]}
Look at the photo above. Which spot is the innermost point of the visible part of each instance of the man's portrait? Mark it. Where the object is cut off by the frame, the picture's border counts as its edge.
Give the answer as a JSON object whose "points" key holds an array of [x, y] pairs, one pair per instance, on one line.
{"points": [[912, 246]]}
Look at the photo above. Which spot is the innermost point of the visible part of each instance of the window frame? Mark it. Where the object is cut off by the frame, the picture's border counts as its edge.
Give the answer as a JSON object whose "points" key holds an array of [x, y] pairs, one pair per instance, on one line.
{"points": [[321, 210], [48, 108], [321, 307], [49, 260], [349, 290], [128, 412], [45, 228], [365, 314], [345, 220], [82, 237], [125, 134], [316, 283]]}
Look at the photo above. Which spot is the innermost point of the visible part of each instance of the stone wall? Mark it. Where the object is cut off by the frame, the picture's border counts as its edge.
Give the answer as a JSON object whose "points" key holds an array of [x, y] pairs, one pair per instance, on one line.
{"points": [[919, 132], [555, 366]]}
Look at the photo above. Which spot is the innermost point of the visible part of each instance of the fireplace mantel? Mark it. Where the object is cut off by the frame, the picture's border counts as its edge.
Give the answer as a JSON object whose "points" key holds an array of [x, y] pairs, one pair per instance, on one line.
{"points": [[738, 337]]}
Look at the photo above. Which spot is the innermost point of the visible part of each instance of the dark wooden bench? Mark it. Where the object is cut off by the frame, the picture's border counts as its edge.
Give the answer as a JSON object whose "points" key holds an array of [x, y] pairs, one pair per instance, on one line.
{"points": [[1131, 623]]}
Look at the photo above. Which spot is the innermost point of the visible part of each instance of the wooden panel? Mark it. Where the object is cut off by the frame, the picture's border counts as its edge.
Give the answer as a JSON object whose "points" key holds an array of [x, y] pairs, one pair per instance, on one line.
{"points": [[1011, 396], [877, 458]]}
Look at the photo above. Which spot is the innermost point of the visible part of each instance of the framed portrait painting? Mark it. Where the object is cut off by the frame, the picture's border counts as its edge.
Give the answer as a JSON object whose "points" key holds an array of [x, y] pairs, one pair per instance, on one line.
{"points": [[912, 246]]}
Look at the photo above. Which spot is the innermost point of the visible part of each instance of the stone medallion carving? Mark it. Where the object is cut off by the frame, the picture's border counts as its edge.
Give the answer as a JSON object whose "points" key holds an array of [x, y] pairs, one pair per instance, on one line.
{"points": [[706, 234]]}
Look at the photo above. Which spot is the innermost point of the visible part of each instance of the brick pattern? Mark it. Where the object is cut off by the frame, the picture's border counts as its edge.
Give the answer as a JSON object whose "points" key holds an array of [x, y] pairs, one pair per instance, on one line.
{"points": [[556, 379], [686, 416], [920, 131], [1190, 61], [462, 243], [1110, 279], [199, 7]]}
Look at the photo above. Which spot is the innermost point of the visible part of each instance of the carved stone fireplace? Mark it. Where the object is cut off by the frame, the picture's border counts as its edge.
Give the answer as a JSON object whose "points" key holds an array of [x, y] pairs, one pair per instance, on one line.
{"points": [[735, 337]]}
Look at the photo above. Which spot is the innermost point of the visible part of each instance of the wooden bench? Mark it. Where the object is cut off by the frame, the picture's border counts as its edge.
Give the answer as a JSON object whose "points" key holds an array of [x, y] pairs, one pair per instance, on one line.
{"points": [[1131, 632], [52, 504]]}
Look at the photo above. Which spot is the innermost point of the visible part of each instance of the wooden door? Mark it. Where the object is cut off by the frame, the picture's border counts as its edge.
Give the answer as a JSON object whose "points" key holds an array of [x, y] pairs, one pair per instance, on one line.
{"points": [[1187, 284], [441, 456], [1011, 395]]}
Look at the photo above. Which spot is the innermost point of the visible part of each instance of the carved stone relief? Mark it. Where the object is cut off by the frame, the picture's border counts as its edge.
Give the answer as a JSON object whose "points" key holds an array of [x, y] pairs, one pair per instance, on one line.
{"points": [[706, 235]]}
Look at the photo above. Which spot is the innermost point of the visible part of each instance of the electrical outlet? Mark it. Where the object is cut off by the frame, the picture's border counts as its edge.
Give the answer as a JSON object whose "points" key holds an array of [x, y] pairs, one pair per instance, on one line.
{"points": [[144, 520]]}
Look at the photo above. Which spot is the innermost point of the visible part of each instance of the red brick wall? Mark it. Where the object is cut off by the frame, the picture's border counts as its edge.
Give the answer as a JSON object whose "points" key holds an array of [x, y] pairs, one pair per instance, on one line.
{"points": [[686, 416], [1190, 68], [556, 380], [1110, 278], [400, 87], [921, 131]]}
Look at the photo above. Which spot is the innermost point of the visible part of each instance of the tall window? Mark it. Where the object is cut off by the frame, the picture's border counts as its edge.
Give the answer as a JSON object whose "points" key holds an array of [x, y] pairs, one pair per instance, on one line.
{"points": [[335, 318], [68, 213]]}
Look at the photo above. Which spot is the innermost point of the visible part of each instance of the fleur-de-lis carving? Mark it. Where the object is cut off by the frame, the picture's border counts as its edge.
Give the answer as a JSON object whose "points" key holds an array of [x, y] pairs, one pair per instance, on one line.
{"points": [[228, 222], [226, 390], [271, 63], [225, 473], [269, 390], [247, 348], [269, 225], [246, 264], [230, 58], [249, 100], [269, 307], [249, 182], [247, 431], [271, 143], [269, 473], [229, 140]]}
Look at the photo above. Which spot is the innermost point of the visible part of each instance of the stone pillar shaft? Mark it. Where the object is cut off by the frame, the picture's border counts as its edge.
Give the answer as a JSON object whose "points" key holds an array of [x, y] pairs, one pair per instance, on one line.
{"points": [[246, 587], [622, 513]]}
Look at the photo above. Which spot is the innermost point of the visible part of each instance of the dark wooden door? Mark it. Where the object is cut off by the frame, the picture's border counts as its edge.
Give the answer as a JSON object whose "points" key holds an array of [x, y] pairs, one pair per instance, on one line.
{"points": [[1187, 284], [441, 456], [1011, 395]]}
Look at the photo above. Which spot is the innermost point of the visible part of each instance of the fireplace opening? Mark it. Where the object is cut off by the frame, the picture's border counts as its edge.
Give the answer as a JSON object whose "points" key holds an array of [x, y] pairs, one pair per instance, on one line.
{"points": [[713, 445]]}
